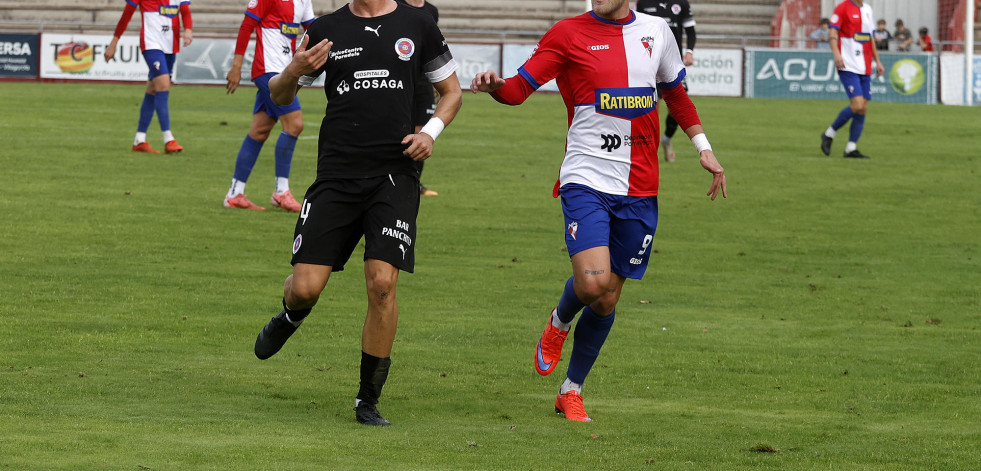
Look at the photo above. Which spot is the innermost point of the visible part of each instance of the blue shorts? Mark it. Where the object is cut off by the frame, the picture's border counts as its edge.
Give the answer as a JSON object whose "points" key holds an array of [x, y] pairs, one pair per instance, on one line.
{"points": [[263, 102], [856, 85], [625, 224], [158, 62]]}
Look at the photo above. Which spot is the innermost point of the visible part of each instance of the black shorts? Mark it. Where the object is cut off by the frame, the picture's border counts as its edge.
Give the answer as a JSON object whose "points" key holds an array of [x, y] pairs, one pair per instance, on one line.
{"points": [[335, 214], [423, 102]]}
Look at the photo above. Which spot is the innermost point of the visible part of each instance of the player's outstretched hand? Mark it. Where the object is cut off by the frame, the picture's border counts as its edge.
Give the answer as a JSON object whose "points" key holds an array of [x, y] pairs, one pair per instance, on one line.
{"points": [[307, 61], [486, 82], [233, 78], [418, 146], [188, 37], [710, 163]]}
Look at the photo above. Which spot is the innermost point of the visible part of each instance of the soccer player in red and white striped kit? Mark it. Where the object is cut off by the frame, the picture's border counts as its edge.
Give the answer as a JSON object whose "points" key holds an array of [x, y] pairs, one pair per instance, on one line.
{"points": [[609, 64], [160, 40], [277, 24]]}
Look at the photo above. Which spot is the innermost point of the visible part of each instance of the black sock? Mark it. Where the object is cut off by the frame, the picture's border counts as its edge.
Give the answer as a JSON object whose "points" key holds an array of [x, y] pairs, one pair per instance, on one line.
{"points": [[296, 315], [670, 126], [374, 372]]}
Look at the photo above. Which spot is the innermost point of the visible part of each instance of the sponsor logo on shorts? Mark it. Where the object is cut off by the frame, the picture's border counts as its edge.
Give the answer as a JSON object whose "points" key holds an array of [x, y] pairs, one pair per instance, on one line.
{"points": [[599, 47], [404, 47], [401, 227], [297, 242], [573, 229]]}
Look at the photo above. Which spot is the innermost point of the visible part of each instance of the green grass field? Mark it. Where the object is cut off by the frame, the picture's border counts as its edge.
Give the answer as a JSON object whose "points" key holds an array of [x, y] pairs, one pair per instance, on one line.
{"points": [[825, 316]]}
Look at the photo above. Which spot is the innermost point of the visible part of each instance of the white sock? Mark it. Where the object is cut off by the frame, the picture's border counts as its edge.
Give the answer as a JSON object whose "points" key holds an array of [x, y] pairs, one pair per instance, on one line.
{"points": [[850, 146], [140, 138], [665, 141], [168, 136], [236, 189], [830, 132], [282, 185], [568, 385], [558, 324]]}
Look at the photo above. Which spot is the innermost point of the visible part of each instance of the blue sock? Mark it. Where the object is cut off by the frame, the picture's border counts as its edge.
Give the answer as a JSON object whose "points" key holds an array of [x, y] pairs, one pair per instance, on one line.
{"points": [[284, 154], [842, 118], [146, 112], [569, 303], [163, 110], [855, 131], [247, 155], [591, 332]]}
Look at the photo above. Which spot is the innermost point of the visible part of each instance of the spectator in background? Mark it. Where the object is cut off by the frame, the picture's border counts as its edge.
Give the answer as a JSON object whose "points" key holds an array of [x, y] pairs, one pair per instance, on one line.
{"points": [[820, 35], [902, 37], [925, 42], [881, 36]]}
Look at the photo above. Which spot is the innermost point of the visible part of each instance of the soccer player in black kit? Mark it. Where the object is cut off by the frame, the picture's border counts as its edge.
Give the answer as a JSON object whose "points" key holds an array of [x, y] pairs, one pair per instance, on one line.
{"points": [[680, 19], [371, 52]]}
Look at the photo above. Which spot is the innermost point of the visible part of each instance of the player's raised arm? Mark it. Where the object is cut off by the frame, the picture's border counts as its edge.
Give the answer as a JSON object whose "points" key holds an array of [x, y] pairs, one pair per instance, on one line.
{"points": [[283, 86]]}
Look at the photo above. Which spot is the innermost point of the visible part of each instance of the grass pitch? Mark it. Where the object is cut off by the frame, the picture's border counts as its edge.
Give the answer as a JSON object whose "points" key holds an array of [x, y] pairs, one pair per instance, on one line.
{"points": [[825, 316]]}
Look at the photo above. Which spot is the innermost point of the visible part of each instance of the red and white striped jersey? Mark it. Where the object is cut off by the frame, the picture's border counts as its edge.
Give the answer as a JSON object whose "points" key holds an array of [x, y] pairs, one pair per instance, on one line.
{"points": [[161, 24], [280, 23], [608, 73], [855, 25]]}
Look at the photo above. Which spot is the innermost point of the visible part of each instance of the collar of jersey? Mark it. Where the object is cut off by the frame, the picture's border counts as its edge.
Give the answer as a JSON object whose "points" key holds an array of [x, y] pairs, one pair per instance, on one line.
{"points": [[630, 19]]}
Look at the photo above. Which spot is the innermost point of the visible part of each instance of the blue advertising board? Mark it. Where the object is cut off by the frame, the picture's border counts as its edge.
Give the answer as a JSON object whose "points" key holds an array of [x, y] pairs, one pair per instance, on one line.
{"points": [[804, 74], [18, 55]]}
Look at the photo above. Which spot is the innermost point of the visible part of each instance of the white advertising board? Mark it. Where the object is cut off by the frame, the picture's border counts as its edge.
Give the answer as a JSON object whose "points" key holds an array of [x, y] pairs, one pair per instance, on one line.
{"points": [[716, 72], [80, 57]]}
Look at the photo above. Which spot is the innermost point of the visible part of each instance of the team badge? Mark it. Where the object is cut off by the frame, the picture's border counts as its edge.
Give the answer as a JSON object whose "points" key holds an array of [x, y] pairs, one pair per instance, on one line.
{"points": [[405, 48], [648, 43], [297, 242], [675, 8], [253, 3], [156, 65], [573, 229]]}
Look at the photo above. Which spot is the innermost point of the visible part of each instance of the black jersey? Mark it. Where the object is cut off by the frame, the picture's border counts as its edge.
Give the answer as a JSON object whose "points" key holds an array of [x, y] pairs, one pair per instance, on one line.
{"points": [[676, 12], [370, 77], [427, 7]]}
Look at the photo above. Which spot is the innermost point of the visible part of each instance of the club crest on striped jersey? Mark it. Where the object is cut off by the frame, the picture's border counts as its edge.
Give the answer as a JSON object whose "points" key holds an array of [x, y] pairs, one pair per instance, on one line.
{"points": [[626, 102], [648, 43]]}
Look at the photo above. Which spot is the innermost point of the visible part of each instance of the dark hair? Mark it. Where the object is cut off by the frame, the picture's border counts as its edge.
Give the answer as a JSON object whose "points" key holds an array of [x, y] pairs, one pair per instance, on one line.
{"points": [[924, 30], [825, 21], [899, 22], [881, 21]]}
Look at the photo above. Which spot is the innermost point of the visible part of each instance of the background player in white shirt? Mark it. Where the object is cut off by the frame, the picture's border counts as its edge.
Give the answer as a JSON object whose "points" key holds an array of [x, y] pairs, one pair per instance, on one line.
{"points": [[159, 41]]}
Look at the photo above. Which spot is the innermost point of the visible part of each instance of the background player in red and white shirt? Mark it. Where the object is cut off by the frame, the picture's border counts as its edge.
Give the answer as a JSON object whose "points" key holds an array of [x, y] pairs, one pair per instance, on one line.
{"points": [[853, 49], [608, 64], [160, 41], [277, 24]]}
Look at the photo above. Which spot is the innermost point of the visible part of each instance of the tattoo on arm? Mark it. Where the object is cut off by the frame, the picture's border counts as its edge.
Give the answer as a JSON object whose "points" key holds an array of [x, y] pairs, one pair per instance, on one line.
{"points": [[595, 272]]}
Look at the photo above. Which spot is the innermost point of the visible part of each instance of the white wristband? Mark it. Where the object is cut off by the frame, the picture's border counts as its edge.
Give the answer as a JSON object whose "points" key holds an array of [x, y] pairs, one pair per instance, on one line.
{"points": [[433, 127], [701, 142]]}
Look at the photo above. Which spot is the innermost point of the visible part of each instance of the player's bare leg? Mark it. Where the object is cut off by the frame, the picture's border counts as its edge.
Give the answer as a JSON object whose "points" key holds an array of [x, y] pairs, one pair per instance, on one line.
{"points": [[301, 290], [377, 338]]}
